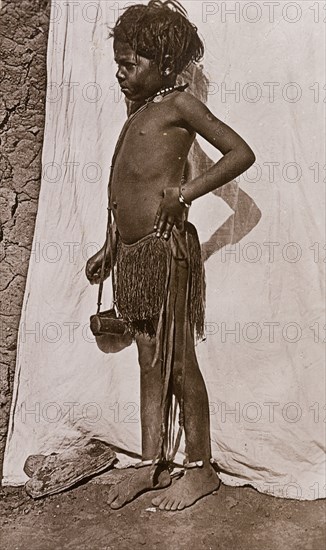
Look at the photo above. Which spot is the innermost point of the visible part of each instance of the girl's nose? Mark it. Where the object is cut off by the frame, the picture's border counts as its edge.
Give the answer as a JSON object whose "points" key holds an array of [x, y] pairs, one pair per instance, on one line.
{"points": [[119, 74]]}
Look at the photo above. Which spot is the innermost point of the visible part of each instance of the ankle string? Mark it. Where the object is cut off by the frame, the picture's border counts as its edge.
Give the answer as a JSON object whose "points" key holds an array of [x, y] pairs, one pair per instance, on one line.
{"points": [[197, 463]]}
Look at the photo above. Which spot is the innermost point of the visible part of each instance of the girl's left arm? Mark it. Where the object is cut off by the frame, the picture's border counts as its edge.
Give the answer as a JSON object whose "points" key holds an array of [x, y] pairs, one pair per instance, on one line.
{"points": [[237, 155]]}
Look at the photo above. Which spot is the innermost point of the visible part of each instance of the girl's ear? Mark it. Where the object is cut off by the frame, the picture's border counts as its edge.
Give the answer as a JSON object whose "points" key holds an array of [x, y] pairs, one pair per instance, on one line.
{"points": [[168, 65]]}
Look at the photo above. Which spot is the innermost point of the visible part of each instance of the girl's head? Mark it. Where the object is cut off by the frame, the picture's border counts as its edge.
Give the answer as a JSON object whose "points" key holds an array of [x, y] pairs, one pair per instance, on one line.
{"points": [[160, 32]]}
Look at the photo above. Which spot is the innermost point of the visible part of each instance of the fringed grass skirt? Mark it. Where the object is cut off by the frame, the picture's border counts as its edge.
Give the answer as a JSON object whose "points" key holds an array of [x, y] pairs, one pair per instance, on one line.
{"points": [[143, 274]]}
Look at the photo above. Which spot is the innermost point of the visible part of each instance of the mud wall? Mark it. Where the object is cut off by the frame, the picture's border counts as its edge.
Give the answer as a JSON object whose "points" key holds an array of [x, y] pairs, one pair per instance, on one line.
{"points": [[22, 112]]}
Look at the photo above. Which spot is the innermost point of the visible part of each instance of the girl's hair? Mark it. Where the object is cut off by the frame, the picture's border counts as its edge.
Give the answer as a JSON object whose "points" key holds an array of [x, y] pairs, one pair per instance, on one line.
{"points": [[160, 31]]}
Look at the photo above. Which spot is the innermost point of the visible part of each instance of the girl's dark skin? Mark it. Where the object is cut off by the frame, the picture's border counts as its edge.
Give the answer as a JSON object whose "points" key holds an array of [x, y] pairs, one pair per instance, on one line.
{"points": [[145, 198]]}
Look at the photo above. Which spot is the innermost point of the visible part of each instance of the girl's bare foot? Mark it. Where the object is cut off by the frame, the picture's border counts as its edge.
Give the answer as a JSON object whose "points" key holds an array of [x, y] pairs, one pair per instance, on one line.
{"points": [[139, 482], [195, 484]]}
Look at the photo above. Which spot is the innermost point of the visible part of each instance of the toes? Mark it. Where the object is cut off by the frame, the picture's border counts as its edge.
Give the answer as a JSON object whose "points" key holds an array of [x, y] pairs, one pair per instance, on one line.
{"points": [[157, 500], [169, 504], [112, 495], [117, 500], [182, 505], [163, 504], [175, 505], [117, 504]]}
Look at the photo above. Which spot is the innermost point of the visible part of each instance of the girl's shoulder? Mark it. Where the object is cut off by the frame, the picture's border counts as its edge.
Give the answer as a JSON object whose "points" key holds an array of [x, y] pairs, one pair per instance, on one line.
{"points": [[188, 104]]}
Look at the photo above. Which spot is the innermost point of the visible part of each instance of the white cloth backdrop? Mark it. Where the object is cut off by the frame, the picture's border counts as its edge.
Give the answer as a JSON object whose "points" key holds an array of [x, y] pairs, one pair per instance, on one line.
{"points": [[265, 379]]}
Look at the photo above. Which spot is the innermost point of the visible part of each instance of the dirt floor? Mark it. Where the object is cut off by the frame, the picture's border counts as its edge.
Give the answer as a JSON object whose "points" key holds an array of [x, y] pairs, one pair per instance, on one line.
{"points": [[232, 519]]}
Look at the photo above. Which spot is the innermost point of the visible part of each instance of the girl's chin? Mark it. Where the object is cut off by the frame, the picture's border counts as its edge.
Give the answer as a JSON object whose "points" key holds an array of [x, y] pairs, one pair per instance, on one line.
{"points": [[133, 96], [129, 95]]}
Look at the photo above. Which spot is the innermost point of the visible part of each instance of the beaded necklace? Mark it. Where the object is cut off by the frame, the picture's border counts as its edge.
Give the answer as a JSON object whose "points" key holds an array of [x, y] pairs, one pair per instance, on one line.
{"points": [[158, 97]]}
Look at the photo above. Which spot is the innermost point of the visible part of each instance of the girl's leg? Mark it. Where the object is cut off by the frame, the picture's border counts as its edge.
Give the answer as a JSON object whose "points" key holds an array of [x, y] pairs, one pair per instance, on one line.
{"points": [[150, 397], [150, 390], [196, 406], [199, 481], [188, 384]]}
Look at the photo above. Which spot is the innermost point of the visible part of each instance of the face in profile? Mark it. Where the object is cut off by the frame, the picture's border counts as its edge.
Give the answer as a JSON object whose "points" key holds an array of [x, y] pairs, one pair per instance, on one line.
{"points": [[138, 77]]}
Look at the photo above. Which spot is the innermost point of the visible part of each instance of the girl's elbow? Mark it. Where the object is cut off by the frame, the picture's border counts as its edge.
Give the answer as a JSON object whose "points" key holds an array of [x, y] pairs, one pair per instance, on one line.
{"points": [[251, 157], [246, 156]]}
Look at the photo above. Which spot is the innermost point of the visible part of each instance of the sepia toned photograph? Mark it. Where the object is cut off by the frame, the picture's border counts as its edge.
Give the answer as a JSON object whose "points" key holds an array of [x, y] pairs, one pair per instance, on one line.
{"points": [[162, 289]]}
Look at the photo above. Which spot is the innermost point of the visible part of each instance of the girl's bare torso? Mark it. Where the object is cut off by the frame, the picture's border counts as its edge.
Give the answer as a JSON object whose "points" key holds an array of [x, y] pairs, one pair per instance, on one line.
{"points": [[151, 157]]}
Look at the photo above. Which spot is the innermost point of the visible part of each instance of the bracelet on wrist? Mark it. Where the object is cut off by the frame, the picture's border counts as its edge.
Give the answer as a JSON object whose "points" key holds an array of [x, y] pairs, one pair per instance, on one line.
{"points": [[183, 201]]}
